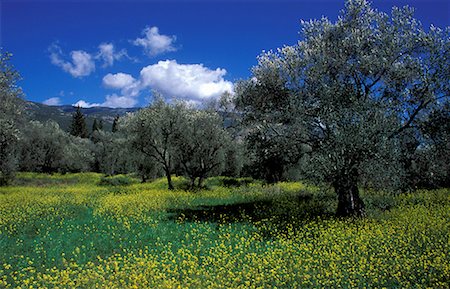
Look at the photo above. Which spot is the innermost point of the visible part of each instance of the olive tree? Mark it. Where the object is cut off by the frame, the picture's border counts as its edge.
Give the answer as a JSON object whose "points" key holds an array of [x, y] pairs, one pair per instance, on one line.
{"points": [[345, 93], [42, 147], [78, 156], [430, 164], [201, 144], [112, 153], [145, 167], [153, 131], [235, 156], [11, 108], [46, 148]]}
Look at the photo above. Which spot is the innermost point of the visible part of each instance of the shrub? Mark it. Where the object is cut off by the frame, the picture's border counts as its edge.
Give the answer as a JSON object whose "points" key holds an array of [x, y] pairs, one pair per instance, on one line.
{"points": [[119, 180], [236, 182]]}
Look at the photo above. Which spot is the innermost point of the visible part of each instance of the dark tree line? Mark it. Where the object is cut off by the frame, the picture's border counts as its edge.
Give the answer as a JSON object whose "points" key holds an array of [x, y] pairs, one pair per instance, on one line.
{"points": [[162, 139]]}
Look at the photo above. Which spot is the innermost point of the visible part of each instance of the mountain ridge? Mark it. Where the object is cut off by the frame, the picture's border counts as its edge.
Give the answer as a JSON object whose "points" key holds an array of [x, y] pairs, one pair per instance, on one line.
{"points": [[62, 114]]}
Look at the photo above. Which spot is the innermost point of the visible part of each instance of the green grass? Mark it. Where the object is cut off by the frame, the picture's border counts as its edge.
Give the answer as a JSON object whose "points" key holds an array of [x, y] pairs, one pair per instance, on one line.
{"points": [[70, 231]]}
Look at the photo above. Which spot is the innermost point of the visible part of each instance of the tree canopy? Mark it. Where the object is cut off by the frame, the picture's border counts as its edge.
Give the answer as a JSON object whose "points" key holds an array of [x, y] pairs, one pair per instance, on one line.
{"points": [[201, 144], [11, 116], [153, 132], [344, 95]]}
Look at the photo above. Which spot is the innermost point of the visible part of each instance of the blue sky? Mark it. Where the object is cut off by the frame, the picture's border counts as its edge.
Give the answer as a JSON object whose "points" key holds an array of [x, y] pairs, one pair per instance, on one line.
{"points": [[113, 53]]}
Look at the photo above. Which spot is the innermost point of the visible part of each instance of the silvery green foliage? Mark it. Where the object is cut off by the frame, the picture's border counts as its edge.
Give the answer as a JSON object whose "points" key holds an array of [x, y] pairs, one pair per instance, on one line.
{"points": [[46, 148], [42, 147], [9, 136], [78, 156], [112, 152], [430, 166], [270, 134], [10, 117], [235, 157], [201, 144], [152, 131], [235, 152], [178, 136], [348, 90], [146, 168]]}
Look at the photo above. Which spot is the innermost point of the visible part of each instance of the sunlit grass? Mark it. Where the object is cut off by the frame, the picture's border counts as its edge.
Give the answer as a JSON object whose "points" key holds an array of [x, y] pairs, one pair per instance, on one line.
{"points": [[68, 231]]}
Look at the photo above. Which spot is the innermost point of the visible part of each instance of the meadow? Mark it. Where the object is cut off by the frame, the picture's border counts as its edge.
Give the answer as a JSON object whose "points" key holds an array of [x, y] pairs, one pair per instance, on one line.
{"points": [[79, 231]]}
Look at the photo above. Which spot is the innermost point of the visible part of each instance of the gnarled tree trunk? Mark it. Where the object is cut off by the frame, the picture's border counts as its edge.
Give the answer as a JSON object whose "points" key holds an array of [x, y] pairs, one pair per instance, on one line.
{"points": [[169, 179], [346, 187], [200, 182], [192, 184]]}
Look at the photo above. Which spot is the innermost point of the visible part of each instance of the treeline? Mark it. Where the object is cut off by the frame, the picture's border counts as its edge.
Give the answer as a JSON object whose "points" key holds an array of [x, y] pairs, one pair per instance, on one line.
{"points": [[166, 139], [160, 140]]}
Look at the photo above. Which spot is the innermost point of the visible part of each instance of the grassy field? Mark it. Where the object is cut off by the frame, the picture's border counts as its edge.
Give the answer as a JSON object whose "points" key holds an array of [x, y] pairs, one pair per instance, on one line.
{"points": [[68, 231]]}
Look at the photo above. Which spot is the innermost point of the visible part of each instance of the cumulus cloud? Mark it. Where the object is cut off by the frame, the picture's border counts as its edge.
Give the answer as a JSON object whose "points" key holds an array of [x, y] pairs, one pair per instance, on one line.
{"points": [[129, 92], [112, 100], [52, 101], [108, 54], [81, 64], [115, 100], [154, 43], [193, 82], [118, 81], [84, 104]]}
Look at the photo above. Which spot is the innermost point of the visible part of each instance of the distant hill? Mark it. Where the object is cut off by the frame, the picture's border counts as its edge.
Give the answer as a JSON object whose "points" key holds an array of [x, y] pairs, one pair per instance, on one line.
{"points": [[63, 114]]}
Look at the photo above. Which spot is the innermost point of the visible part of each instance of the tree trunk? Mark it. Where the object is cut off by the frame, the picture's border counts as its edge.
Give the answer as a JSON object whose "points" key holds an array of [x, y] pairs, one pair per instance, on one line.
{"points": [[349, 201], [200, 182], [169, 180], [192, 184]]}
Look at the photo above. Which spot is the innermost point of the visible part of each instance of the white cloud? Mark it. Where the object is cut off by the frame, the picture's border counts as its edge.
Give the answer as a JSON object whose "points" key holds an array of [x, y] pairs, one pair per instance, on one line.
{"points": [[112, 100], [108, 54], [118, 81], [52, 101], [193, 82], [82, 63], [129, 90], [115, 100], [155, 43], [84, 104]]}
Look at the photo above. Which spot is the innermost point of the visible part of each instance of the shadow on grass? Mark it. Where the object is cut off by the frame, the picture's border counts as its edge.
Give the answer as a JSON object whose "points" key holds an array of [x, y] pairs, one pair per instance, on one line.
{"points": [[300, 206], [237, 212]]}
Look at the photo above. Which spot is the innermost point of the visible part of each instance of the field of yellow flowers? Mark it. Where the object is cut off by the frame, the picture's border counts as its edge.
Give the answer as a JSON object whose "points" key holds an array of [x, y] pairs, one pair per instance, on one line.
{"points": [[68, 231]]}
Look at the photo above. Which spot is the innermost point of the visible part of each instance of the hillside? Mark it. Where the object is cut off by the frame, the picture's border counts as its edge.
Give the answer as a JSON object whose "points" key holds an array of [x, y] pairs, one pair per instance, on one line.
{"points": [[63, 114]]}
